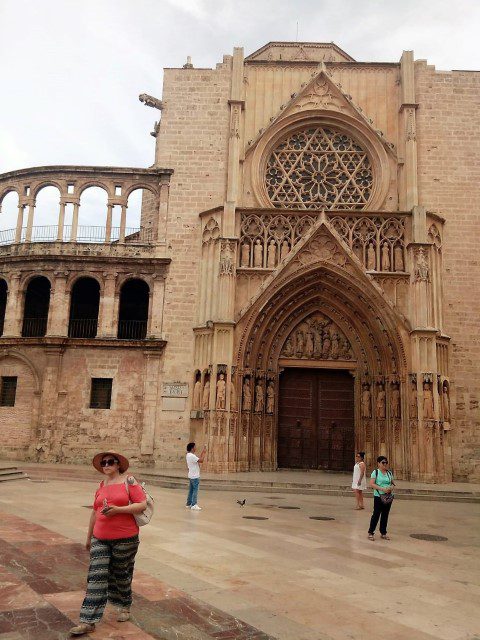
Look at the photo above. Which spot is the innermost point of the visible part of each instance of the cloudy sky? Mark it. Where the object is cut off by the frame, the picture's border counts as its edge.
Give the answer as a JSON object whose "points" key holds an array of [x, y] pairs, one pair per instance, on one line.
{"points": [[72, 69]]}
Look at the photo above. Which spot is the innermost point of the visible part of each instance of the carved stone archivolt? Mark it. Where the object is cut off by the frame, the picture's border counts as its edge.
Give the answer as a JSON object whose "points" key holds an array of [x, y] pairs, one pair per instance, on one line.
{"points": [[317, 338], [318, 167]]}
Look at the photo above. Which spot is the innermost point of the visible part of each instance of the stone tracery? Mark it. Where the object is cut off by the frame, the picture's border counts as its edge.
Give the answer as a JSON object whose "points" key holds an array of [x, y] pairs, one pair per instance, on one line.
{"points": [[319, 168]]}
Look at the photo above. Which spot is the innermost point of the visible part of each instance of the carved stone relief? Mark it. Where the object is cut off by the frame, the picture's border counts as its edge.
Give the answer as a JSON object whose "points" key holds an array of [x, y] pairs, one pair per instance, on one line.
{"points": [[322, 249], [320, 96], [366, 401], [422, 270], [227, 259], [317, 338]]}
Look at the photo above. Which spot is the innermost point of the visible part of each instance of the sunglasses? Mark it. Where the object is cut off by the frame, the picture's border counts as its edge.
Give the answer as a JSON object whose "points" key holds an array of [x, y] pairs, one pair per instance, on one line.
{"points": [[109, 462], [384, 462]]}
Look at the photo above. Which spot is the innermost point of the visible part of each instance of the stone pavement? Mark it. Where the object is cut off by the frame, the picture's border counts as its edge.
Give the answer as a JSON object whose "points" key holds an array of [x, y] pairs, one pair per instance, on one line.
{"points": [[216, 574]]}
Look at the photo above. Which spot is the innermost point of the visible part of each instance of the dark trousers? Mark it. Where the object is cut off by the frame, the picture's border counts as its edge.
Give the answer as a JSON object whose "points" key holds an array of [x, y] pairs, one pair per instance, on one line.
{"points": [[380, 510], [109, 576]]}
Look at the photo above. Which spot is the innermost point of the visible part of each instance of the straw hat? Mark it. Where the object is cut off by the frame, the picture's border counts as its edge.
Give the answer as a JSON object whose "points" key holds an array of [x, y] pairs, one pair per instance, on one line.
{"points": [[123, 466]]}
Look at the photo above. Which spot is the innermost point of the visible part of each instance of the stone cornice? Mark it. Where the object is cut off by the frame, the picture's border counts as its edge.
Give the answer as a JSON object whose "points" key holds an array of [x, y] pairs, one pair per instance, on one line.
{"points": [[61, 342]]}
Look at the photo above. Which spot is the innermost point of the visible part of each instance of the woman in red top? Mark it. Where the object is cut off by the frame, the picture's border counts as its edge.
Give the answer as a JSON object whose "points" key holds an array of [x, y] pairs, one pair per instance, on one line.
{"points": [[112, 540]]}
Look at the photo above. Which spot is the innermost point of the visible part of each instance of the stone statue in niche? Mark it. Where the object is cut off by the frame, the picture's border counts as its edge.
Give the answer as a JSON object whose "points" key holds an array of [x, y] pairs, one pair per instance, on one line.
{"points": [[226, 259], [309, 344], [272, 255], [245, 255], [422, 270], [221, 392], [258, 254], [299, 343], [327, 344], [334, 349], [317, 341], [285, 250], [366, 401], [206, 396], [413, 406], [288, 349], [371, 257], [270, 397], [259, 399], [398, 257], [233, 397], [395, 402], [247, 395], [428, 410], [385, 257], [197, 396], [445, 402], [381, 402]]}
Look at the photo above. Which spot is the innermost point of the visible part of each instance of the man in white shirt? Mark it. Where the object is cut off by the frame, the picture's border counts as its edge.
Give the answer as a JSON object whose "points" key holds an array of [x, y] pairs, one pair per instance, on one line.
{"points": [[193, 464]]}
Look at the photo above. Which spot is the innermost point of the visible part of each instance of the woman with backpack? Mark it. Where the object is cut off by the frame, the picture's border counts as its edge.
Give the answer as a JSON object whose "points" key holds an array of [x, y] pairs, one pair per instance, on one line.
{"points": [[112, 540], [381, 481]]}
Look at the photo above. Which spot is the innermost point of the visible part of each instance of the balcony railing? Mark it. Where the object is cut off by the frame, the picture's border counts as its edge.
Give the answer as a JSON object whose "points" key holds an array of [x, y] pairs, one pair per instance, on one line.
{"points": [[82, 328], [34, 327], [132, 329], [84, 234]]}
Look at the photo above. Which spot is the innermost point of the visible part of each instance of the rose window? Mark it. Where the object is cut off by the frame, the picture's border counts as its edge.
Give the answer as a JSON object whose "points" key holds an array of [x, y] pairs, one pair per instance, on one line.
{"points": [[319, 168]]}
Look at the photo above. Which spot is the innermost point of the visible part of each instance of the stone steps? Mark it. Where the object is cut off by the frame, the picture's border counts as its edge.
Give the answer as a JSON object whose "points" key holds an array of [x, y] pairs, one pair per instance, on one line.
{"points": [[39, 473], [11, 473]]}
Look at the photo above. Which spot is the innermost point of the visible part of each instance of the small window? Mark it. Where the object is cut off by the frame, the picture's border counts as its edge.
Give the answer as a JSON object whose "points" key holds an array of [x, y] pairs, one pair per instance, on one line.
{"points": [[118, 190], [101, 393], [70, 187], [8, 391]]}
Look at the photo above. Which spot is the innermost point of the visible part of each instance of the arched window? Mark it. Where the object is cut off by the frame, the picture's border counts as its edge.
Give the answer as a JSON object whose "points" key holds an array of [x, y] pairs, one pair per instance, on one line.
{"points": [[318, 167], [85, 300], [3, 304], [37, 301], [133, 312]]}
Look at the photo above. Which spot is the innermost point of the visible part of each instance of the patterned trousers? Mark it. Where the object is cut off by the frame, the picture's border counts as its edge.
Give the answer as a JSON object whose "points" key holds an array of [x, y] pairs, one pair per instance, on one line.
{"points": [[109, 576]]}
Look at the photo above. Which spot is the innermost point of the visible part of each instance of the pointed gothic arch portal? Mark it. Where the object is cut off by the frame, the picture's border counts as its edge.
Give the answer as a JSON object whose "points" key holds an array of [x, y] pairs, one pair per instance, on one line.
{"points": [[323, 365]]}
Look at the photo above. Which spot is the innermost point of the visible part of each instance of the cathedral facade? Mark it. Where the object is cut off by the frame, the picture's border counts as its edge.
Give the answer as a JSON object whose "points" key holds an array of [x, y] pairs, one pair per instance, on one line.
{"points": [[303, 282]]}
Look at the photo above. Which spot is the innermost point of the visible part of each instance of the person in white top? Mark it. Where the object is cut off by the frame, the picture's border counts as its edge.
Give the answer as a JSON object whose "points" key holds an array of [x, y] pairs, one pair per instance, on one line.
{"points": [[359, 480], [193, 464]]}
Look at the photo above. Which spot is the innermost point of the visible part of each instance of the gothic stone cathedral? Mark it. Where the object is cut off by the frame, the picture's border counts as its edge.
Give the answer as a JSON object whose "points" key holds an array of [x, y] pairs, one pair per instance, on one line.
{"points": [[304, 281]]}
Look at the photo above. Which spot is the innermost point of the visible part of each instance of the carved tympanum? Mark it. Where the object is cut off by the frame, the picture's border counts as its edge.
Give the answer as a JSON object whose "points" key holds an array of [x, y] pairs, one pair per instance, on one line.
{"points": [[317, 338]]}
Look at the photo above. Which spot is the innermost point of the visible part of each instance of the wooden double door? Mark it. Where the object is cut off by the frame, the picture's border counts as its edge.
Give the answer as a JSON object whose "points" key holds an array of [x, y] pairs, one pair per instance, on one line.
{"points": [[316, 419]]}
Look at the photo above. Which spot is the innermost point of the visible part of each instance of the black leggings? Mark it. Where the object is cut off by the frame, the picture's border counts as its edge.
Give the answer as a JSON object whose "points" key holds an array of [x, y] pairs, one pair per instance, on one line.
{"points": [[380, 510]]}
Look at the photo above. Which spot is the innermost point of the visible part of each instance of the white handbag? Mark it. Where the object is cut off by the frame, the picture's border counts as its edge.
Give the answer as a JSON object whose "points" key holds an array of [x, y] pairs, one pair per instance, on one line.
{"points": [[142, 518]]}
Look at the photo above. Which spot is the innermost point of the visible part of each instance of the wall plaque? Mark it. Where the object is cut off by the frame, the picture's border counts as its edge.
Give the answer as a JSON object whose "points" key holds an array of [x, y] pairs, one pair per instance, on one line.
{"points": [[175, 390]]}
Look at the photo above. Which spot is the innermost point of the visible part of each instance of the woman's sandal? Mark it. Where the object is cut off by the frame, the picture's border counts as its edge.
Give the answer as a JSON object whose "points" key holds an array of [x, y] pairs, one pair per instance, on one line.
{"points": [[385, 537], [371, 536], [82, 628]]}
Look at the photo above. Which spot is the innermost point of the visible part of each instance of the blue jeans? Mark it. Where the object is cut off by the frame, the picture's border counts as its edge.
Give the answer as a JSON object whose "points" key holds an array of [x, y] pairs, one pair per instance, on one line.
{"points": [[192, 491]]}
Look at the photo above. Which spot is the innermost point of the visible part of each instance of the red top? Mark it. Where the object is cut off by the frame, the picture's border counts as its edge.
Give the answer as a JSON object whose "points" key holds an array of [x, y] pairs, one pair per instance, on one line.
{"points": [[120, 525]]}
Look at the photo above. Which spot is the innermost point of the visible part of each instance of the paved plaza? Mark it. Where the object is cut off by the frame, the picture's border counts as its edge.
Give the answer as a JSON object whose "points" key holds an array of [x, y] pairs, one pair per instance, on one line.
{"points": [[219, 574]]}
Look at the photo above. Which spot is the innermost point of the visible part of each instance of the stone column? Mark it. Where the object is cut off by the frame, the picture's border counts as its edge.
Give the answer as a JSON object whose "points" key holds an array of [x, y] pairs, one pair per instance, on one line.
{"points": [[151, 401], [108, 225], [12, 324], [107, 326], [123, 223], [18, 230], [408, 119], [59, 306], [48, 402], [74, 231], [28, 234], [160, 229], [155, 311], [61, 221]]}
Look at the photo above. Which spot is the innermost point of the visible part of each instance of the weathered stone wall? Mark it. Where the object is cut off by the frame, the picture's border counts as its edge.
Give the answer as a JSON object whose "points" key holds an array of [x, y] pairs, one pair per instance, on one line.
{"points": [[17, 423], [448, 122], [193, 141]]}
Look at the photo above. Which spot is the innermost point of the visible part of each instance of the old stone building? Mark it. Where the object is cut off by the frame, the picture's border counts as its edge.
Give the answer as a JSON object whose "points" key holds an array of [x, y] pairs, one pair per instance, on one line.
{"points": [[304, 280]]}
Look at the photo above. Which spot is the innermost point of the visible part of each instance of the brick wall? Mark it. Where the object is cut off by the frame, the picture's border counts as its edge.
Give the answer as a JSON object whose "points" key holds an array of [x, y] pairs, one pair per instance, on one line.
{"points": [[193, 141], [448, 125]]}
